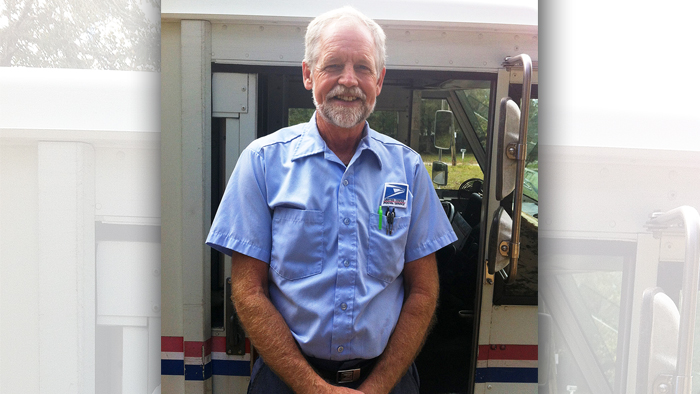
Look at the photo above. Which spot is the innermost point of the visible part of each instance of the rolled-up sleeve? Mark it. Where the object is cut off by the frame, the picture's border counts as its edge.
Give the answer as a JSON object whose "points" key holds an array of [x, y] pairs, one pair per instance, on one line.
{"points": [[243, 220]]}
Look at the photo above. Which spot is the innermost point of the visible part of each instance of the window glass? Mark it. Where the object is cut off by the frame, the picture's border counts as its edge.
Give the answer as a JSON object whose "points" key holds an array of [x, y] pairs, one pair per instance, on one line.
{"points": [[385, 122], [585, 289], [461, 161], [594, 296], [531, 185], [476, 104], [299, 115], [600, 294]]}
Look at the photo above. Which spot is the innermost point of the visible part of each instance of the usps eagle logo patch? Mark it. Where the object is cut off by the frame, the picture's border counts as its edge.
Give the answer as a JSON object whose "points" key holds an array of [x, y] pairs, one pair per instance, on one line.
{"points": [[395, 195]]}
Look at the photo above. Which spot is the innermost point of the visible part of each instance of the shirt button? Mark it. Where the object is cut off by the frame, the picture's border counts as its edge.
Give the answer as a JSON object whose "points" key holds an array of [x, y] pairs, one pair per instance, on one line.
{"points": [[340, 349], [346, 263], [346, 221], [345, 182], [343, 306]]}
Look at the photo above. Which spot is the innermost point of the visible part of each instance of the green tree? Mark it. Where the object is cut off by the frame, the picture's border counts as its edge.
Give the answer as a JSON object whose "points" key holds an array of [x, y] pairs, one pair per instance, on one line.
{"points": [[532, 134], [385, 122], [299, 115], [476, 103], [82, 34]]}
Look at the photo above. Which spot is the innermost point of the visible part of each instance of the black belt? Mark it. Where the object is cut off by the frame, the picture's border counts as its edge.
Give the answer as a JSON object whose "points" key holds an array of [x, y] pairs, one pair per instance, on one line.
{"points": [[341, 372]]}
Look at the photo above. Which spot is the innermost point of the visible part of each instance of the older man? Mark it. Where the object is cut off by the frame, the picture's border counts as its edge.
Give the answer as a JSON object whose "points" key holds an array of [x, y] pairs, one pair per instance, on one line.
{"points": [[332, 228]]}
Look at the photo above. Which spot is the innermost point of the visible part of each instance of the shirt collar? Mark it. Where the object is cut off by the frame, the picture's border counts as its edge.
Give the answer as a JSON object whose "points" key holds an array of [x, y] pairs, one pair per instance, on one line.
{"points": [[311, 143]]}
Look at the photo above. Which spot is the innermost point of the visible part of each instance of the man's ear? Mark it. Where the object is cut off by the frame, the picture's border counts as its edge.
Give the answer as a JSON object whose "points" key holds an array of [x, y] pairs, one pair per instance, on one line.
{"points": [[306, 73], [380, 80]]}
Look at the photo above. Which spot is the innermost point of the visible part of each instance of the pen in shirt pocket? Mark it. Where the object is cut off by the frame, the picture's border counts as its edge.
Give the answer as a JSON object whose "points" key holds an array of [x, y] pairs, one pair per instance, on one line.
{"points": [[381, 215]]}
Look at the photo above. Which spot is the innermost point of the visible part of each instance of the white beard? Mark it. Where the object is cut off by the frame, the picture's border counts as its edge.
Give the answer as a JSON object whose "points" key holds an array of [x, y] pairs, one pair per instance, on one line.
{"points": [[342, 116]]}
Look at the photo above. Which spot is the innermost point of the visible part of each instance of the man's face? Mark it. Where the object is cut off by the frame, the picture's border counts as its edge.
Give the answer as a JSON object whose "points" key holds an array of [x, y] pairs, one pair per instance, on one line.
{"points": [[345, 82]]}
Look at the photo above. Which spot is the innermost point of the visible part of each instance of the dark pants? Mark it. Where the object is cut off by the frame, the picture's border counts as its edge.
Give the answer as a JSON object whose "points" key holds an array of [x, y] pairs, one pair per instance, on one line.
{"points": [[264, 381]]}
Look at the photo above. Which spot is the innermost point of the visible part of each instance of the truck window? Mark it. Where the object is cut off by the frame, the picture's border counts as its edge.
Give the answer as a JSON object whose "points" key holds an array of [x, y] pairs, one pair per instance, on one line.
{"points": [[391, 118], [470, 103], [463, 165], [587, 286]]}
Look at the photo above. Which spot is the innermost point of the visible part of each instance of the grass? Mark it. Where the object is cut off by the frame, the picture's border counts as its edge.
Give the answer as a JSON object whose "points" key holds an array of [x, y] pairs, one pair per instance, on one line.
{"points": [[465, 169]]}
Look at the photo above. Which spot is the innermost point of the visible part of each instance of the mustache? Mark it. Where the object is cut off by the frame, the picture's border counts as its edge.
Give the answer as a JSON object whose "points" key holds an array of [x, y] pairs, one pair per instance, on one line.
{"points": [[340, 90]]}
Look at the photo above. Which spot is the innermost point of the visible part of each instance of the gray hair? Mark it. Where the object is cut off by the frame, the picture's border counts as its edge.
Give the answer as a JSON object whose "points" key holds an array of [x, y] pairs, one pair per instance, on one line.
{"points": [[318, 25]]}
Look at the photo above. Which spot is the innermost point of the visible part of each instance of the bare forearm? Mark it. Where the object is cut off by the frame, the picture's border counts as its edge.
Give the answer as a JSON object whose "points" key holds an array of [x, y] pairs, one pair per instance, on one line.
{"points": [[402, 349], [271, 337], [410, 332], [268, 331]]}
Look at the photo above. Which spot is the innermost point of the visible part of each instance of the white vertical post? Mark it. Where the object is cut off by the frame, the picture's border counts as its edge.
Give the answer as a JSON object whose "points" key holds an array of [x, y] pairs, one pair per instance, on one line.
{"points": [[195, 47], [66, 286], [171, 185], [19, 231]]}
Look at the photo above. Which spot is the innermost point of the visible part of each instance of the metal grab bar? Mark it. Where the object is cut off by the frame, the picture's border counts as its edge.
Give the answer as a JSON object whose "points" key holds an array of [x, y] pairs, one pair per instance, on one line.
{"points": [[689, 218], [520, 154]]}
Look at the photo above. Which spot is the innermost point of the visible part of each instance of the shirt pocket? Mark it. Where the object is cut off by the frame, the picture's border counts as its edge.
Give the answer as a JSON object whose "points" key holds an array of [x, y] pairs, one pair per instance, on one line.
{"points": [[385, 255], [297, 243]]}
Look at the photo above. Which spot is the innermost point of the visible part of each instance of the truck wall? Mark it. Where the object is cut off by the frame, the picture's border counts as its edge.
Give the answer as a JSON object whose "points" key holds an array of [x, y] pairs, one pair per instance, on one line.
{"points": [[79, 231]]}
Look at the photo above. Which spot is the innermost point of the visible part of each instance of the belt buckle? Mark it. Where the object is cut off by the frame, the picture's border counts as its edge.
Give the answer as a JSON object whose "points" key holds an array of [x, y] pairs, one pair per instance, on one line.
{"points": [[348, 375]]}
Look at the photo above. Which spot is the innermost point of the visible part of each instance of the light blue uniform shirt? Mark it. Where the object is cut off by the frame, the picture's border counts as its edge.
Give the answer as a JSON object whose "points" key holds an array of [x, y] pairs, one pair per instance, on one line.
{"points": [[334, 275]]}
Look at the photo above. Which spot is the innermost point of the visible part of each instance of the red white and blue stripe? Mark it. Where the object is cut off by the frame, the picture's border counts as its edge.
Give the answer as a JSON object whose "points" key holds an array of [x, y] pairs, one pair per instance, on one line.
{"points": [[200, 360], [507, 364]]}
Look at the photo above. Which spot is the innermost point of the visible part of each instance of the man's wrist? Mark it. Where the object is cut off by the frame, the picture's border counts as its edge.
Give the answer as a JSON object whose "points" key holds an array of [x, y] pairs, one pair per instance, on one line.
{"points": [[317, 386]]}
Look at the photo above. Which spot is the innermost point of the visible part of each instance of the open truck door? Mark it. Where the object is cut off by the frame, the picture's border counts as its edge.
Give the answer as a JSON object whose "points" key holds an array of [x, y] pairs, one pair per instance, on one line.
{"points": [[511, 154], [619, 279]]}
